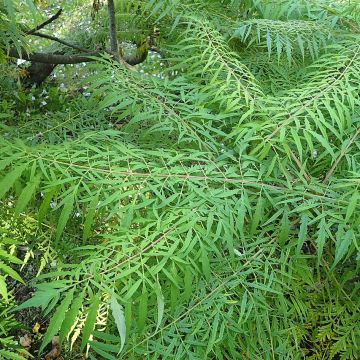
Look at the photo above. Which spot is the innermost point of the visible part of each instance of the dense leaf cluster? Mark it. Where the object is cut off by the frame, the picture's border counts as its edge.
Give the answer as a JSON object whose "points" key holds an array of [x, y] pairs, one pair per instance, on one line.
{"points": [[217, 217]]}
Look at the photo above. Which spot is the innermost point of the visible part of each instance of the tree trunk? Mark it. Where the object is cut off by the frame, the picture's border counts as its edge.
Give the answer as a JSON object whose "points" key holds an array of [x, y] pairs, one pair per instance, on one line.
{"points": [[112, 29], [38, 72]]}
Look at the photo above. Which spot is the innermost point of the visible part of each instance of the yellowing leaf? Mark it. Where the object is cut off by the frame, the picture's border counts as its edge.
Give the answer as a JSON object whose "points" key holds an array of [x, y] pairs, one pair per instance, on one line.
{"points": [[70, 317], [90, 321]]}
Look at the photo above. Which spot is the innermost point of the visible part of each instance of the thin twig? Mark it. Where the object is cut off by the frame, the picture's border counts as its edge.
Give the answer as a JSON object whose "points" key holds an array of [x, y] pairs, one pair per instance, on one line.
{"points": [[42, 25], [54, 38], [300, 166], [342, 154]]}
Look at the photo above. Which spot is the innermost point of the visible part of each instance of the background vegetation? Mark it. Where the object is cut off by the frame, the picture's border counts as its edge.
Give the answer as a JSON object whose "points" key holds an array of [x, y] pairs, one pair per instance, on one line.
{"points": [[193, 195]]}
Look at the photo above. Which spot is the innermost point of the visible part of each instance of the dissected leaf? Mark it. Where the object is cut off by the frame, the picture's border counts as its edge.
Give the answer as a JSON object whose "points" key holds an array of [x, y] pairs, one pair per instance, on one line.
{"points": [[90, 320], [70, 317]]}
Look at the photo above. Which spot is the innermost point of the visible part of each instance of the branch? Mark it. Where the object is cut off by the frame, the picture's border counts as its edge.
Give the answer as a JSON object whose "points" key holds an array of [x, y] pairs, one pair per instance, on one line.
{"points": [[300, 166], [53, 38], [48, 58], [48, 21], [342, 154], [129, 59]]}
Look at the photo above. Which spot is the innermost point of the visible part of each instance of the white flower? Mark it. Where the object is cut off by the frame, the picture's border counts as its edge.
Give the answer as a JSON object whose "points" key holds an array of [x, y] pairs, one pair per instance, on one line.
{"points": [[20, 61], [238, 253]]}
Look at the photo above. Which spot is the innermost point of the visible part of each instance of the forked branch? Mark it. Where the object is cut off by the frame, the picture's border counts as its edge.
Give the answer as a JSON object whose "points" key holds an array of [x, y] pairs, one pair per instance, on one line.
{"points": [[342, 154]]}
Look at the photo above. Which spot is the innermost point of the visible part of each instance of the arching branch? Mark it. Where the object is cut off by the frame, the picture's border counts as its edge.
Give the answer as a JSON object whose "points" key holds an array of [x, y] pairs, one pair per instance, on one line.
{"points": [[42, 25], [60, 41]]}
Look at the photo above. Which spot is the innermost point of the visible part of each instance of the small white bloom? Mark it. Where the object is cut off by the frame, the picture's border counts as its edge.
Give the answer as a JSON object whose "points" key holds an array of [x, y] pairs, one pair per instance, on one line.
{"points": [[238, 253]]}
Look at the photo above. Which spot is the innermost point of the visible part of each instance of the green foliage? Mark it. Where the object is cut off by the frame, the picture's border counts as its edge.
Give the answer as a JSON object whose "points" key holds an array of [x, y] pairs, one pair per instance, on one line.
{"points": [[7, 261], [209, 210], [285, 37], [9, 348], [11, 32]]}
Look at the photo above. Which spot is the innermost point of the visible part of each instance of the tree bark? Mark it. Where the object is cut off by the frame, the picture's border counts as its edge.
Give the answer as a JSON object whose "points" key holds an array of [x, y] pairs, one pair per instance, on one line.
{"points": [[50, 58], [112, 29], [60, 41], [42, 25], [38, 72], [42, 64]]}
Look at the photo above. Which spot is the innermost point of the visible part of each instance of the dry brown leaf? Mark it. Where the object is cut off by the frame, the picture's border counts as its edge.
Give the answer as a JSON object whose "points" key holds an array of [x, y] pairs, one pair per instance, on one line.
{"points": [[25, 341], [55, 351]]}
